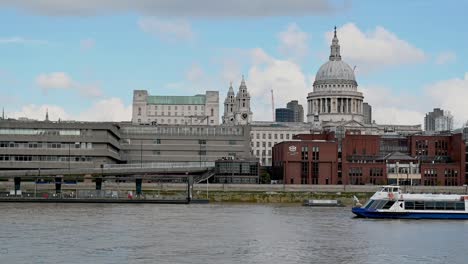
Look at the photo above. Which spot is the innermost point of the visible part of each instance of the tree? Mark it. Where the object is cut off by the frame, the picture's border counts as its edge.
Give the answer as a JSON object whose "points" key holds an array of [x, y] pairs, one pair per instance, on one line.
{"points": [[265, 178]]}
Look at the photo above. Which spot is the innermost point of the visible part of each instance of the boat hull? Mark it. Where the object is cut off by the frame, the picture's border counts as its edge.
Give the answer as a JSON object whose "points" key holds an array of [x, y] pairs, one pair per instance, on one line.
{"points": [[365, 213]]}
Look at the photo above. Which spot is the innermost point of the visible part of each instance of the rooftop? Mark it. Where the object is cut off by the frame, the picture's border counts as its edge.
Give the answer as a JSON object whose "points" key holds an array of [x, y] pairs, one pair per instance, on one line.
{"points": [[198, 99]]}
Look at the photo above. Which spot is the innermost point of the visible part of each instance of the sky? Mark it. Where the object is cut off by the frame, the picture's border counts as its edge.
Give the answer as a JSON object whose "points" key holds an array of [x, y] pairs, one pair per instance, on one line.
{"points": [[81, 60]]}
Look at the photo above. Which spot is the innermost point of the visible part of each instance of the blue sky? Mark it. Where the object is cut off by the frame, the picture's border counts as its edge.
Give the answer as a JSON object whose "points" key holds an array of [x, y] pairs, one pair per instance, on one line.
{"points": [[83, 59]]}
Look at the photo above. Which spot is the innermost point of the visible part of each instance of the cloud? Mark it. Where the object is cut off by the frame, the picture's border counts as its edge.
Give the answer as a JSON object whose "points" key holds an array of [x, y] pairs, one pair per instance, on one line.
{"points": [[168, 30], [38, 112], [87, 44], [63, 81], [390, 106], [180, 8], [110, 109], [451, 95], [376, 49], [446, 57], [195, 73], [294, 42], [54, 80], [23, 41], [284, 77]]}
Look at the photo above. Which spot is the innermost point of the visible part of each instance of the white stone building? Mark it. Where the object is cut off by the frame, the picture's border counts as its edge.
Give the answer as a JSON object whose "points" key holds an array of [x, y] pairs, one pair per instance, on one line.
{"points": [[237, 107], [200, 109], [335, 97], [264, 135]]}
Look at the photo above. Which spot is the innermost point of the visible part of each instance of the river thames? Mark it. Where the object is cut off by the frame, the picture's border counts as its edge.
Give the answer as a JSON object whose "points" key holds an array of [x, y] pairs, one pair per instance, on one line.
{"points": [[220, 233]]}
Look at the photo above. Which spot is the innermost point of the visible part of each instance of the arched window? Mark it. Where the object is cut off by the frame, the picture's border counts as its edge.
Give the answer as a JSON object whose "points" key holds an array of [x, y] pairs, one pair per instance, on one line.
{"points": [[212, 112], [139, 110]]}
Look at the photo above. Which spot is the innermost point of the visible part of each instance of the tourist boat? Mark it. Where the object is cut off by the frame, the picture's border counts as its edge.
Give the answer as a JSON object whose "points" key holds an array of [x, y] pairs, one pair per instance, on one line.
{"points": [[390, 202]]}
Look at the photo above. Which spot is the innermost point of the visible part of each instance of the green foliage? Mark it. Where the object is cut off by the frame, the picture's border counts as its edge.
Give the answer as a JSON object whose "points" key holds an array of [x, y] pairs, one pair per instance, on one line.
{"points": [[265, 178]]}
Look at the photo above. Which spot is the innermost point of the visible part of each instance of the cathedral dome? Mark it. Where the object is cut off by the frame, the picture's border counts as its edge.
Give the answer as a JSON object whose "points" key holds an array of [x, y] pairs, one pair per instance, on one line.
{"points": [[335, 70]]}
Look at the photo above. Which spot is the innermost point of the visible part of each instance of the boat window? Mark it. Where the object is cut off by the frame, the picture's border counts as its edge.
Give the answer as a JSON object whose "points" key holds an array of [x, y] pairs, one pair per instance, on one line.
{"points": [[430, 205], [418, 205], [449, 206], [378, 204], [369, 203], [440, 205], [409, 205], [460, 206], [388, 205]]}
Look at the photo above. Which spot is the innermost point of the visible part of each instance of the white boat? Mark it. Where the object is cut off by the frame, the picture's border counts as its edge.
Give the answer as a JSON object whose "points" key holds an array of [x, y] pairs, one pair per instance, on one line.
{"points": [[390, 202]]}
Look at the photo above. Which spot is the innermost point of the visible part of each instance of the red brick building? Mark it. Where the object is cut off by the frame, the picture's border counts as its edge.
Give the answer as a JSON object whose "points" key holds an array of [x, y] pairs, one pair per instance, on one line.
{"points": [[359, 159]]}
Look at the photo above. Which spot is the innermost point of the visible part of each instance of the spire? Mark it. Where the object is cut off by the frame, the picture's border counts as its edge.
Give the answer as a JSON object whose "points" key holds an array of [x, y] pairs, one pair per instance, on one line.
{"points": [[335, 48], [243, 82], [47, 115], [231, 90]]}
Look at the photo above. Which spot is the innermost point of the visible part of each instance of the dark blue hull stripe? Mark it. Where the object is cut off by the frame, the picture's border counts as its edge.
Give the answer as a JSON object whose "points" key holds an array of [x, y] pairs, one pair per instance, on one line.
{"points": [[360, 212]]}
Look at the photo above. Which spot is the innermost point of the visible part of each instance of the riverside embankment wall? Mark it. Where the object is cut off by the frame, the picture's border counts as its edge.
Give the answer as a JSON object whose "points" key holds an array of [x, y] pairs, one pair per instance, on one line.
{"points": [[260, 193]]}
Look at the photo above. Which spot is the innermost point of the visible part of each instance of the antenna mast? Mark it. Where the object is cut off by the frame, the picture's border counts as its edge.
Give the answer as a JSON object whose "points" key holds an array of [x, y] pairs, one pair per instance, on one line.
{"points": [[273, 105]]}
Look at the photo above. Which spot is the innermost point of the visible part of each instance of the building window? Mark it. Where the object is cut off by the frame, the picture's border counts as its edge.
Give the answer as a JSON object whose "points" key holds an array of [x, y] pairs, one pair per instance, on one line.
{"points": [[156, 152], [263, 135], [304, 153], [196, 108], [202, 152], [281, 136], [258, 152], [139, 110], [258, 144], [264, 144], [202, 141], [269, 136], [212, 112], [275, 136], [287, 136], [232, 142], [258, 135], [269, 144], [169, 108], [157, 141]]}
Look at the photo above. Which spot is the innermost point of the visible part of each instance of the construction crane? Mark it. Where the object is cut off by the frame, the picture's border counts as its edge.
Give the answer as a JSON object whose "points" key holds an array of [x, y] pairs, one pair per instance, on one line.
{"points": [[272, 105], [200, 118]]}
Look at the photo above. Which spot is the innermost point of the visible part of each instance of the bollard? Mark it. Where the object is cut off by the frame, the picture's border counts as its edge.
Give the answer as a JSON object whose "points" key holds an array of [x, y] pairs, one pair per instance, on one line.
{"points": [[17, 185], [98, 184], [58, 185], [138, 183]]}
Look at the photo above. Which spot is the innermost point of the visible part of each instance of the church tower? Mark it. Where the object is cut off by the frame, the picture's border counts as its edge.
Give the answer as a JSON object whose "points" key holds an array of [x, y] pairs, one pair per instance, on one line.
{"points": [[243, 114], [229, 107]]}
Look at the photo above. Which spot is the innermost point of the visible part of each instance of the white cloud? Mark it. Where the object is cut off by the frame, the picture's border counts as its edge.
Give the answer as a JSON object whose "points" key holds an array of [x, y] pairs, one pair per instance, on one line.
{"points": [[446, 57], [87, 44], [181, 8], [110, 109], [63, 81], [168, 30], [375, 49], [294, 42], [391, 107], [54, 80], [23, 41], [451, 95], [285, 78], [38, 112], [195, 73]]}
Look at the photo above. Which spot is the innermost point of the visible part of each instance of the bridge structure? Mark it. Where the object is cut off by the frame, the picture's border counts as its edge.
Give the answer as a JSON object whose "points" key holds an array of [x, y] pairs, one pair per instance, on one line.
{"points": [[175, 172]]}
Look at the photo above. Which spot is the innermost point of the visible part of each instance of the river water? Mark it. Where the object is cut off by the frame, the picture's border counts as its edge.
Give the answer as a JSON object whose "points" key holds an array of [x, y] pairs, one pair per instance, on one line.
{"points": [[220, 233]]}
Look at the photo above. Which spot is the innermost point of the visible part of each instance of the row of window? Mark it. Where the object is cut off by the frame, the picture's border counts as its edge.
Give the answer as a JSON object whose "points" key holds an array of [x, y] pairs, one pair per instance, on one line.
{"points": [[271, 136], [44, 158], [40, 132], [432, 205], [177, 121], [47, 145], [175, 107], [182, 130]]}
